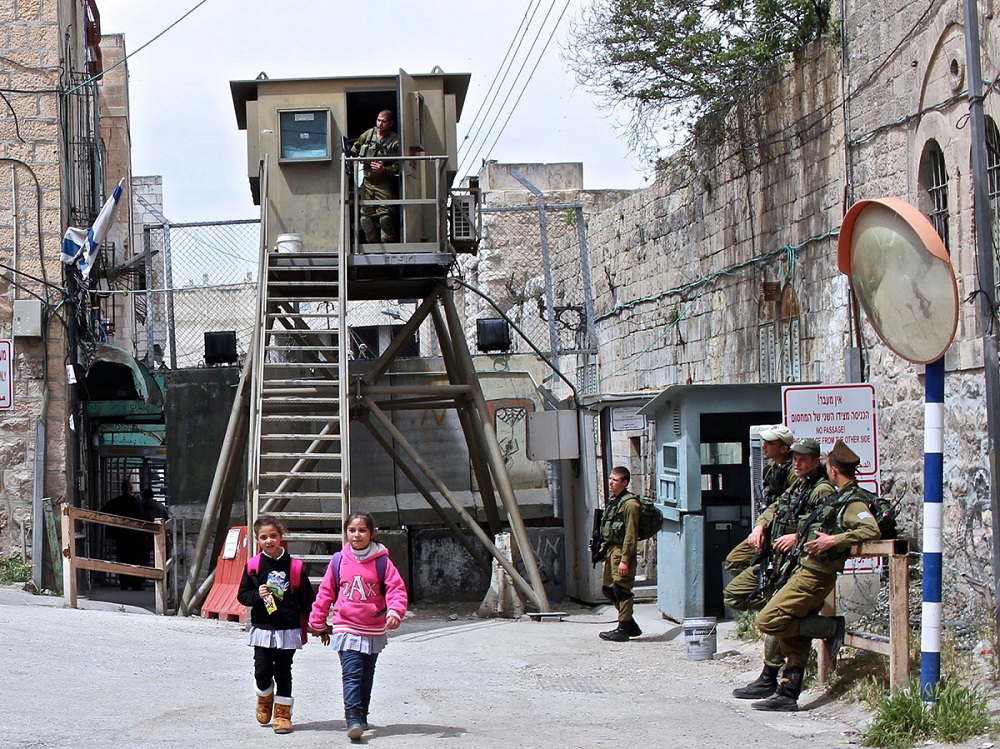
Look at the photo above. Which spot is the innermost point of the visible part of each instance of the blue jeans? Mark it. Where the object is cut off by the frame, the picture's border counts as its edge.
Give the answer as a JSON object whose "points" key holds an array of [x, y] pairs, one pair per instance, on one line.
{"points": [[358, 671]]}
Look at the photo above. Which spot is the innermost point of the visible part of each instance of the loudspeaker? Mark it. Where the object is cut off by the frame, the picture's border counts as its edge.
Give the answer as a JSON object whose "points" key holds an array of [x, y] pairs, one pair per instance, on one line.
{"points": [[492, 334], [220, 347]]}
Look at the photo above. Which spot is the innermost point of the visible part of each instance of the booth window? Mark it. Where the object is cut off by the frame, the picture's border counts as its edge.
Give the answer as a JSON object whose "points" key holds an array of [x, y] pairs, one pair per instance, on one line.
{"points": [[304, 134]]}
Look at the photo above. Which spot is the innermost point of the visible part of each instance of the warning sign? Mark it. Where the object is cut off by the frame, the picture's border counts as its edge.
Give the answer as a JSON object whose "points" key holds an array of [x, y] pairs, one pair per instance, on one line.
{"points": [[6, 375], [831, 412]]}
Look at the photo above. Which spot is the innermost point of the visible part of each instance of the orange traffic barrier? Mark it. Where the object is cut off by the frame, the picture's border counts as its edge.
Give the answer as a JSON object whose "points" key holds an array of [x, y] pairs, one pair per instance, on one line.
{"points": [[221, 601]]}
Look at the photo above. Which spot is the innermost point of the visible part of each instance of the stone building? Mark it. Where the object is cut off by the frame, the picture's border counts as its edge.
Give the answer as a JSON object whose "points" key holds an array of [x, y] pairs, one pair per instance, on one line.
{"points": [[52, 160], [724, 270]]}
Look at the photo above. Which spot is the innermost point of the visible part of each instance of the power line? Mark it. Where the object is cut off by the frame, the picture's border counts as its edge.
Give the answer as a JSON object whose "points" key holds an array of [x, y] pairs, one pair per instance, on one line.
{"points": [[525, 87], [132, 54], [514, 84], [519, 35]]}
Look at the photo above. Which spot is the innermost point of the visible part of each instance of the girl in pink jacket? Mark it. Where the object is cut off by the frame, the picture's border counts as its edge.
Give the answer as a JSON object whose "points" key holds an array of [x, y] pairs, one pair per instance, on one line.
{"points": [[368, 598]]}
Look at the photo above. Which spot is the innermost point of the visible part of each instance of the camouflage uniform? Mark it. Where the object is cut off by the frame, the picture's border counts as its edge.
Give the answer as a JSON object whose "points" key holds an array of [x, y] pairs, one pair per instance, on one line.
{"points": [[620, 533], [790, 615], [783, 515], [776, 479], [378, 185]]}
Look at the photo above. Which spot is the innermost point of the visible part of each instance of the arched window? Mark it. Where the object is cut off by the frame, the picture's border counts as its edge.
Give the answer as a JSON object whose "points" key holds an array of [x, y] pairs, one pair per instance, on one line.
{"points": [[934, 185]]}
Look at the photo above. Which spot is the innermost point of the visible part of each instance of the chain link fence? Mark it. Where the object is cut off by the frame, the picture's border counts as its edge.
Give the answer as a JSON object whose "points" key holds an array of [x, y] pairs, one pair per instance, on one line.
{"points": [[531, 267], [532, 264], [201, 278]]}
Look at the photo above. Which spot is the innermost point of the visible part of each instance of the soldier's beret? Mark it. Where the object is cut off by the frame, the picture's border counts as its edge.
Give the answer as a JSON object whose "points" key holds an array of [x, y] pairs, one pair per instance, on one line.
{"points": [[843, 455]]}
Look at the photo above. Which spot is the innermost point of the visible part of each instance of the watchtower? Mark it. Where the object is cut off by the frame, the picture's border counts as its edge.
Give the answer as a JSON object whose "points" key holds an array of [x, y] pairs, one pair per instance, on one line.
{"points": [[320, 265]]}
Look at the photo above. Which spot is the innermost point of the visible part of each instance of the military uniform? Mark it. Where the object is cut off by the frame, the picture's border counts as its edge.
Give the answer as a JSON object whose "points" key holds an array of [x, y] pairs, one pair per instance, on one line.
{"points": [[775, 481], [620, 536], [743, 593], [791, 614], [378, 185]]}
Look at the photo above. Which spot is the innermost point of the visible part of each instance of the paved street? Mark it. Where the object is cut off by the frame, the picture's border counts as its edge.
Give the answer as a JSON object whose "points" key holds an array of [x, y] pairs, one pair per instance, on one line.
{"points": [[115, 675]]}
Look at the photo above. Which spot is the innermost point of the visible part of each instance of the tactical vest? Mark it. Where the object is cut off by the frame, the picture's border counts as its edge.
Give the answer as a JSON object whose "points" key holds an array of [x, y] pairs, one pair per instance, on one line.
{"points": [[613, 522], [828, 518], [795, 504], [775, 481]]}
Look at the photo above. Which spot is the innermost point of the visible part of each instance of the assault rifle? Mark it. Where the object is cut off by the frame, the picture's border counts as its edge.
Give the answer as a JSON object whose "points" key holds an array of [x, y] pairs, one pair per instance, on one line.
{"points": [[596, 542]]}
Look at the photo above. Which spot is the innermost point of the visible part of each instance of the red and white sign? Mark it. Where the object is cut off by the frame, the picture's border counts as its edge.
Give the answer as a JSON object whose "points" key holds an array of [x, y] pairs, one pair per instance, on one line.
{"points": [[831, 412], [6, 374], [845, 412]]}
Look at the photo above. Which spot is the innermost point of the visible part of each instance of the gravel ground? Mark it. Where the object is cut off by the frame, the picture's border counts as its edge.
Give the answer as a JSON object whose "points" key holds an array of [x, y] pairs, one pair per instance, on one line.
{"points": [[112, 674]]}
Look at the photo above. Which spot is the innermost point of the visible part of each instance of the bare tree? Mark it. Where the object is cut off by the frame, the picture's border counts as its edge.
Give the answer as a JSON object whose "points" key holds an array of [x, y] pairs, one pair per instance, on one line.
{"points": [[672, 63]]}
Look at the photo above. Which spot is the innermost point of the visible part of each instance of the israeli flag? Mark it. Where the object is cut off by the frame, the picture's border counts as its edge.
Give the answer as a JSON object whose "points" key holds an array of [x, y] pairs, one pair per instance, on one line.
{"points": [[83, 244]]}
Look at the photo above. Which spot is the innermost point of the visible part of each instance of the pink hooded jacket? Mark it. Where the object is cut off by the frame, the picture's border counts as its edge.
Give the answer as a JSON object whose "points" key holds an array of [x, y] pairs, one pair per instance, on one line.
{"points": [[360, 607]]}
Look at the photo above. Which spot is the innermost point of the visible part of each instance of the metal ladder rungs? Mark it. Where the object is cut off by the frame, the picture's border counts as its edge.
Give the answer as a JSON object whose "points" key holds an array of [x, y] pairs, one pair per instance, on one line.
{"points": [[301, 516], [310, 536]]}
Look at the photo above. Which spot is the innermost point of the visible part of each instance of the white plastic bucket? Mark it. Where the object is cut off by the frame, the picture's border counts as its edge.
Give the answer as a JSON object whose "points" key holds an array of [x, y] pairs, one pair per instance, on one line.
{"points": [[700, 638], [288, 243]]}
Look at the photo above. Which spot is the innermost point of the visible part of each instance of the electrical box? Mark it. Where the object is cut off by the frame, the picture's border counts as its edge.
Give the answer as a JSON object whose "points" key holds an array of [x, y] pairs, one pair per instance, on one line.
{"points": [[27, 318], [552, 435]]}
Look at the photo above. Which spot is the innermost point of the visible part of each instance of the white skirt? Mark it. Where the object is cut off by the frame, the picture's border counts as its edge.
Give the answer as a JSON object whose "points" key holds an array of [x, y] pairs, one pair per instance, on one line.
{"points": [[281, 639]]}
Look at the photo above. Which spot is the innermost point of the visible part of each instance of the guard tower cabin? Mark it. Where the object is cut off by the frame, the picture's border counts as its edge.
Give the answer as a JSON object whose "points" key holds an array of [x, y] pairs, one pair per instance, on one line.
{"points": [[301, 130], [306, 396]]}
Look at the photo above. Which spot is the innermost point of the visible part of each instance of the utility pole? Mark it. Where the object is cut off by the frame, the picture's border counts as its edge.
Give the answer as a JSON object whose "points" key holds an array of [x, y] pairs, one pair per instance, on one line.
{"points": [[984, 262]]}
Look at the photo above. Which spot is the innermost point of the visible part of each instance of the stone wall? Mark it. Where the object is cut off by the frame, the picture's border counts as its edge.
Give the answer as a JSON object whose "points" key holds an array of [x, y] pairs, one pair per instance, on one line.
{"points": [[32, 221], [678, 268]]}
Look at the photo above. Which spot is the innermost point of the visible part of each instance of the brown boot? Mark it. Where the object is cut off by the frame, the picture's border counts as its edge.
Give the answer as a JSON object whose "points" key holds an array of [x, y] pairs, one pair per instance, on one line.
{"points": [[283, 714], [265, 704]]}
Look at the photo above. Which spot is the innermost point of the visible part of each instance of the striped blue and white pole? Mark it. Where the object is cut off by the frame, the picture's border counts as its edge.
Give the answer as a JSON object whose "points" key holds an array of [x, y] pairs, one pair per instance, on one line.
{"points": [[930, 616]]}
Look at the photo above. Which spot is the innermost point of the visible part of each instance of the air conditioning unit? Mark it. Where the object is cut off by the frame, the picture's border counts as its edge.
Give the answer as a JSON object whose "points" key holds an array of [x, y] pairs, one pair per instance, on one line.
{"points": [[757, 462], [463, 219]]}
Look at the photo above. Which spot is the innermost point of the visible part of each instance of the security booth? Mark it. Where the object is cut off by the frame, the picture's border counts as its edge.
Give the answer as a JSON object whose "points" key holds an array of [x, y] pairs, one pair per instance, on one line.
{"points": [[703, 487], [611, 432], [303, 128]]}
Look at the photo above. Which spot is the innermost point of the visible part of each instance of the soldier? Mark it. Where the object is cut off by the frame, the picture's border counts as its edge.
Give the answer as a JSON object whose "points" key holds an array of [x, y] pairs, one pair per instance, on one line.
{"points": [[620, 534], [379, 221], [823, 540], [773, 537], [778, 475]]}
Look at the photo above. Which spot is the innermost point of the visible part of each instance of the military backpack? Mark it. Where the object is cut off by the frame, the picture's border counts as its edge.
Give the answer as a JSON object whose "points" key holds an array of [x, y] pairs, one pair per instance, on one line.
{"points": [[650, 518]]}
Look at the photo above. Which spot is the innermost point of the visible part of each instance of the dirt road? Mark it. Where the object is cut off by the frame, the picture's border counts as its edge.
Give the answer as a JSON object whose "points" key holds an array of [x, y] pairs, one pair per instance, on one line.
{"points": [[126, 678]]}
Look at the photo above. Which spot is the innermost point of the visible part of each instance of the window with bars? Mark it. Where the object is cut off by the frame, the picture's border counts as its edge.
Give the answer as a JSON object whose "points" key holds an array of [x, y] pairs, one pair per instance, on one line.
{"points": [[934, 182], [993, 180]]}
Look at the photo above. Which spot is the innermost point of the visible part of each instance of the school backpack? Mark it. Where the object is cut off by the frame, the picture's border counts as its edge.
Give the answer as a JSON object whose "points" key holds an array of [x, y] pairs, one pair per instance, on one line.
{"points": [[253, 567], [381, 563], [650, 518]]}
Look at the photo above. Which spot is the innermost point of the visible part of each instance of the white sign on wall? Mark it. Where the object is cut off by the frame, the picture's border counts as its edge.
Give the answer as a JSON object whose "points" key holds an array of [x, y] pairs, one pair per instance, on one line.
{"points": [[6, 375], [831, 412]]}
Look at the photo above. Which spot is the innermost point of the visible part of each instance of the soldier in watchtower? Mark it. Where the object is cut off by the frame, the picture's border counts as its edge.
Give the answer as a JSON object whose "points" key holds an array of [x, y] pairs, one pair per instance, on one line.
{"points": [[379, 221]]}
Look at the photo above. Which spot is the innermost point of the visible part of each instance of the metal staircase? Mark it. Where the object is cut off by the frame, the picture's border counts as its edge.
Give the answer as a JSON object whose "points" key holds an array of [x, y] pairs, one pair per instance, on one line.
{"points": [[298, 419]]}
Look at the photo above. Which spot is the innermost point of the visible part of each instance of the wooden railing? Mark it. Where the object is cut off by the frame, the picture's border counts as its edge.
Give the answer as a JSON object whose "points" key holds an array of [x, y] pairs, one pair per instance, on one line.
{"points": [[72, 562], [897, 644]]}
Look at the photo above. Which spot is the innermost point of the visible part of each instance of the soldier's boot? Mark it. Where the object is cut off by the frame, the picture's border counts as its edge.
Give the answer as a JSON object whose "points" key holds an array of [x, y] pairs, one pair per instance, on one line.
{"points": [[830, 629], [354, 725], [761, 687], [786, 697], [836, 641], [632, 629], [368, 227], [265, 705], [282, 722], [618, 634]]}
